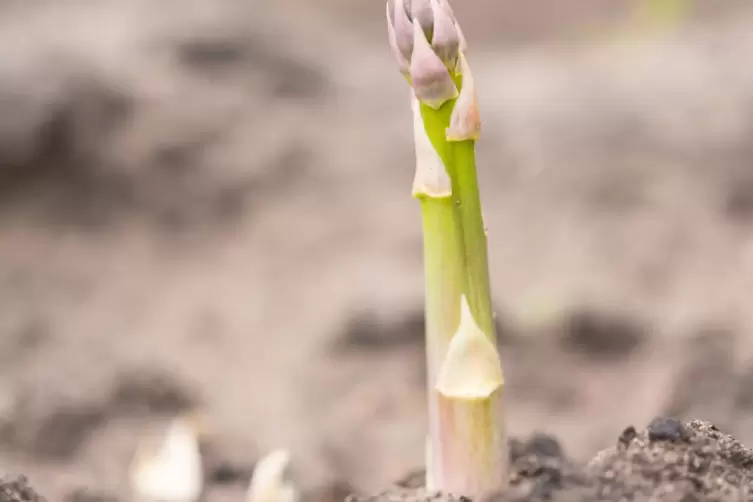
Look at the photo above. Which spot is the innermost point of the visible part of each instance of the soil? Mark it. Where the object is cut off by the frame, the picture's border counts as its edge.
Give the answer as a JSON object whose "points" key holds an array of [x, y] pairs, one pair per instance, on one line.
{"points": [[205, 206], [668, 461], [18, 490]]}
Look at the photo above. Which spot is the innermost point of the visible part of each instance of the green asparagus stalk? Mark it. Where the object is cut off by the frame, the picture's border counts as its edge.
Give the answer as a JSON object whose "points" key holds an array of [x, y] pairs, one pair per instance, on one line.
{"points": [[466, 450]]}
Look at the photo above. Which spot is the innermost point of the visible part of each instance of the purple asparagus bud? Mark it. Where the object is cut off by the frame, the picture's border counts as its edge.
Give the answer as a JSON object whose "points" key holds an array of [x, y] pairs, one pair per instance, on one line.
{"points": [[427, 44]]}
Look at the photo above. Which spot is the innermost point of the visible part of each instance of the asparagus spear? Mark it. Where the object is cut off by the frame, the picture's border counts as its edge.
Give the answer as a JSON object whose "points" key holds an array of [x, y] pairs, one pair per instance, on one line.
{"points": [[466, 450]]}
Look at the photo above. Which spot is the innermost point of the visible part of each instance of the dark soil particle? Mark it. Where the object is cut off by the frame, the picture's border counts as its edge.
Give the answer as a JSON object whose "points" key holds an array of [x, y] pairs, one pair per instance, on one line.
{"points": [[667, 429], [669, 461]]}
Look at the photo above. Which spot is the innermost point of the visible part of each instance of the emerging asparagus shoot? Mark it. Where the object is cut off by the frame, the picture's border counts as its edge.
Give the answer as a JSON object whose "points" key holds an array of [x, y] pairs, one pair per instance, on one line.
{"points": [[466, 449]]}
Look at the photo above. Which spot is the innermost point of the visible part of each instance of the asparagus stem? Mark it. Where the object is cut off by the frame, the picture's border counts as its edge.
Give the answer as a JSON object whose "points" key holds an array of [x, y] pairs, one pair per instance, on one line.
{"points": [[466, 429], [466, 432], [468, 205], [481, 421], [444, 284], [443, 279], [471, 432], [471, 463], [459, 159], [443, 264]]}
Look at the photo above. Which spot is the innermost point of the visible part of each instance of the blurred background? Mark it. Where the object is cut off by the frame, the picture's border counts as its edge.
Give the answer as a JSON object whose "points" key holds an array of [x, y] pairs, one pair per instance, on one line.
{"points": [[205, 206]]}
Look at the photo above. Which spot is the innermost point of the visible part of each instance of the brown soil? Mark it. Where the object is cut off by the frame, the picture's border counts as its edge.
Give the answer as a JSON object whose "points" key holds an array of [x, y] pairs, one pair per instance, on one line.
{"points": [[205, 206], [18, 490], [669, 461]]}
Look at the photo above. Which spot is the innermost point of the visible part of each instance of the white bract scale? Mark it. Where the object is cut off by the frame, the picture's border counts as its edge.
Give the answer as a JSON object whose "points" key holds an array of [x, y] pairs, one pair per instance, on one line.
{"points": [[431, 178], [471, 370], [269, 482], [173, 471]]}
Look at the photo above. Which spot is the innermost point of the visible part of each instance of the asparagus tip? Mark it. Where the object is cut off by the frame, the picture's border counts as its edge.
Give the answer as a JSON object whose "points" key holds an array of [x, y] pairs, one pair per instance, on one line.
{"points": [[170, 471], [431, 79], [269, 483]]}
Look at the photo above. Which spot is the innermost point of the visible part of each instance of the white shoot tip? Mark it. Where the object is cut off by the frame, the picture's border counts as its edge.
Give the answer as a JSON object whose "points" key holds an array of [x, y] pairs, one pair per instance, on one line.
{"points": [[171, 471], [269, 483]]}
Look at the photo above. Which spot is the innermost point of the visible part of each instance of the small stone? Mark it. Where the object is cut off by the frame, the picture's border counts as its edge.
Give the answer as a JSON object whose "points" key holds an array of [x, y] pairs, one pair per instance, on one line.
{"points": [[667, 429]]}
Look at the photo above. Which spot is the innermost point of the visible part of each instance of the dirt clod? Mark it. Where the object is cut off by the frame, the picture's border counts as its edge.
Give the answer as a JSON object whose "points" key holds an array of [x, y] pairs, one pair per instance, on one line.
{"points": [[541, 471], [546, 446], [62, 434], [708, 465], [18, 490], [226, 473], [602, 334], [151, 393], [367, 332], [627, 435]]}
